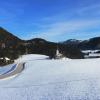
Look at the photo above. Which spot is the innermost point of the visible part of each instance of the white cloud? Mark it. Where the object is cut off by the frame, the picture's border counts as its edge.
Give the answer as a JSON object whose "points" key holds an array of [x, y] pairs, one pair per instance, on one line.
{"points": [[62, 28], [90, 11]]}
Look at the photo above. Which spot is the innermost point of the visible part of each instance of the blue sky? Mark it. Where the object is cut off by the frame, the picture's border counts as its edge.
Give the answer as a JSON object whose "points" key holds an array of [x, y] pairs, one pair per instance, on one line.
{"points": [[54, 20]]}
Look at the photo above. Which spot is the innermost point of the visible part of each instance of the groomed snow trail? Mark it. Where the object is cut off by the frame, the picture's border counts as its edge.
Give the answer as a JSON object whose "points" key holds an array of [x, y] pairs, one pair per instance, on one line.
{"points": [[17, 68]]}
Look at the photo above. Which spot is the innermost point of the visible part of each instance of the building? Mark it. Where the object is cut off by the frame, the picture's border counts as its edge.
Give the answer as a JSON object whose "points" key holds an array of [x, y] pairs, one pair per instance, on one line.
{"points": [[58, 54]]}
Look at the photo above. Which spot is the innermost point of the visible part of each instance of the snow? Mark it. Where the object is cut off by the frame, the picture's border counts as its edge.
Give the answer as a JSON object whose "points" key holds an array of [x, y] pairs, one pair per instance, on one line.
{"points": [[54, 80], [30, 57], [90, 51], [6, 58]]}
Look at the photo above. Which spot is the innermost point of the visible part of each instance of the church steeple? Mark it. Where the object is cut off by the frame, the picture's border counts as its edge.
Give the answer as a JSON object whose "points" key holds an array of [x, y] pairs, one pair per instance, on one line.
{"points": [[58, 54], [57, 51]]}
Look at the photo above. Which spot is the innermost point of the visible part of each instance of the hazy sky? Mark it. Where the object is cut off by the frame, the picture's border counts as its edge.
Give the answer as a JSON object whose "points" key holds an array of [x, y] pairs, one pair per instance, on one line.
{"points": [[54, 20]]}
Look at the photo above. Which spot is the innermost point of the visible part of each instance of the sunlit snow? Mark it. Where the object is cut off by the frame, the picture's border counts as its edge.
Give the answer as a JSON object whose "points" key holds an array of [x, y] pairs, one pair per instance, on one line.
{"points": [[54, 80]]}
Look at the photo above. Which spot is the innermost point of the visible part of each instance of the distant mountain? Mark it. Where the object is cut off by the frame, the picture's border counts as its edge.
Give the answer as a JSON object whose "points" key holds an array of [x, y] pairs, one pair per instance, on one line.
{"points": [[8, 39], [8, 45], [72, 41], [36, 40], [5, 35], [91, 44], [41, 46]]}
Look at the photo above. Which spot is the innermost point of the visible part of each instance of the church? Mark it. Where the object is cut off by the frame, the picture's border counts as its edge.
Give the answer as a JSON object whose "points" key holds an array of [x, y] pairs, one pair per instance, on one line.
{"points": [[58, 54]]}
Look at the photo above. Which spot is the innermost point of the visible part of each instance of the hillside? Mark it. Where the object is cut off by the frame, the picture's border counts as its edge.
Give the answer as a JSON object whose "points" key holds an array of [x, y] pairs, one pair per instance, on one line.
{"points": [[8, 46], [90, 44], [8, 39], [5, 35]]}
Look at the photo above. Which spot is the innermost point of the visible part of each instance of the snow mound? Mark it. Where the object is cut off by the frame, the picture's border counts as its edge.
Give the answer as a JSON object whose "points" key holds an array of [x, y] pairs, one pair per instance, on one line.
{"points": [[30, 57]]}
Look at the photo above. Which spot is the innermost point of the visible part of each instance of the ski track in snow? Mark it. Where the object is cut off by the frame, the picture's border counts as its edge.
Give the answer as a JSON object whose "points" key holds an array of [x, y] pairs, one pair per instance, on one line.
{"points": [[13, 67], [7, 69]]}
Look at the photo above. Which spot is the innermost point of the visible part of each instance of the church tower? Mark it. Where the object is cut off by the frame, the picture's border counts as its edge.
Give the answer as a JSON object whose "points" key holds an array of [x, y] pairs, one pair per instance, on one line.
{"points": [[58, 54]]}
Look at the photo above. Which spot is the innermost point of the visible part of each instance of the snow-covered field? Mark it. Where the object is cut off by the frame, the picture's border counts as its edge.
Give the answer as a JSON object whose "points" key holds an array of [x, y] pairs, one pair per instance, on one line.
{"points": [[54, 80], [30, 57]]}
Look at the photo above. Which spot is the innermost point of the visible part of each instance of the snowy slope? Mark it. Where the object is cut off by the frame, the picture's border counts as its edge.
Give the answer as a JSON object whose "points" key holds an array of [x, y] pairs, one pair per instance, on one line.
{"points": [[30, 57], [54, 80]]}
